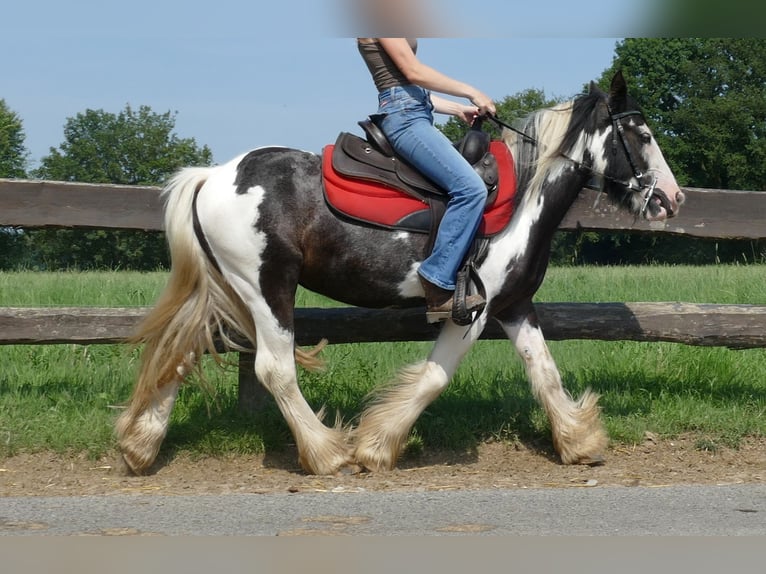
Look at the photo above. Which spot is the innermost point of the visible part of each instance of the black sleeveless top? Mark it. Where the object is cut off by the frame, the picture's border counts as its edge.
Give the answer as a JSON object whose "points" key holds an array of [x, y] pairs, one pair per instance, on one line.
{"points": [[384, 71]]}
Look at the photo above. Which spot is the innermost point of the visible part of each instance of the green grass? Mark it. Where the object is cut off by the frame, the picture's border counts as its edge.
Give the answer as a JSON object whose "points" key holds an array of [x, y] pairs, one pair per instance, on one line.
{"points": [[63, 397]]}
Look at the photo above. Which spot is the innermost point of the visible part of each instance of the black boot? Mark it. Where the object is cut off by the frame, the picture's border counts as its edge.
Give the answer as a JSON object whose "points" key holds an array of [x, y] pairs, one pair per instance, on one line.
{"points": [[440, 304]]}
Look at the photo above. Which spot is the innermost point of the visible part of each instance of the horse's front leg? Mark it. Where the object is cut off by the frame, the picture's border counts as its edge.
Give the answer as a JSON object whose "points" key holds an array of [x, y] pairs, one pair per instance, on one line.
{"points": [[386, 423], [578, 434]]}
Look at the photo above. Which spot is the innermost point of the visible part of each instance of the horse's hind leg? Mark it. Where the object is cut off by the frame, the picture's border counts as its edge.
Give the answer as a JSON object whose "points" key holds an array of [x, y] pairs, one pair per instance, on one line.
{"points": [[142, 426], [578, 434], [386, 423], [321, 450]]}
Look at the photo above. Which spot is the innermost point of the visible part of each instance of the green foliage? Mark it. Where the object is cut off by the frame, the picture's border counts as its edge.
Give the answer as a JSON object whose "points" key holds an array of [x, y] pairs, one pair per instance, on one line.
{"points": [[52, 249], [130, 148], [624, 248], [11, 247], [13, 154], [680, 18], [133, 147]]}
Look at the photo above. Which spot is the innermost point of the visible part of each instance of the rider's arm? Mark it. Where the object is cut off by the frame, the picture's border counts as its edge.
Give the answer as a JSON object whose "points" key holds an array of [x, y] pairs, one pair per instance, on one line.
{"points": [[426, 77]]}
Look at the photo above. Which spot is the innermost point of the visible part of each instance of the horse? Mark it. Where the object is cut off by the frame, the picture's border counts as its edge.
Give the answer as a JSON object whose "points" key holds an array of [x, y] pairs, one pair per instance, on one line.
{"points": [[245, 234]]}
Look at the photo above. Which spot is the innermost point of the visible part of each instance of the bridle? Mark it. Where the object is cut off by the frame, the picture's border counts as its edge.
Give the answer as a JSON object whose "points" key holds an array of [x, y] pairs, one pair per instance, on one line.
{"points": [[586, 164], [619, 130]]}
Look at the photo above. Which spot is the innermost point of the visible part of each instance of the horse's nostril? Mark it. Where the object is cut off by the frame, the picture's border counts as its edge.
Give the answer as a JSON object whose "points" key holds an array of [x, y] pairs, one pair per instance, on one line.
{"points": [[680, 197]]}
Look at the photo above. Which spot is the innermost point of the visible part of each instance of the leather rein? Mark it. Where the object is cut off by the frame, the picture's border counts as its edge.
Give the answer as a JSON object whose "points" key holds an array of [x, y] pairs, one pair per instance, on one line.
{"points": [[618, 132]]}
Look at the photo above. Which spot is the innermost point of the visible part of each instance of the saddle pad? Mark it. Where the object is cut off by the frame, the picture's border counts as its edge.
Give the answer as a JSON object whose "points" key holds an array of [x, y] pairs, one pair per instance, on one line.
{"points": [[384, 206]]}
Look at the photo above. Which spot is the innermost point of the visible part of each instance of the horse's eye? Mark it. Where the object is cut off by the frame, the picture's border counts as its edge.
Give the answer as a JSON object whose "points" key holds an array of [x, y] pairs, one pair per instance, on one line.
{"points": [[646, 138]]}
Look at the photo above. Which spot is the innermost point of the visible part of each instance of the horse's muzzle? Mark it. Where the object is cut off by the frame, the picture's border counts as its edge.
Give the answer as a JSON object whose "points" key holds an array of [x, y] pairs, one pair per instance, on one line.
{"points": [[663, 205]]}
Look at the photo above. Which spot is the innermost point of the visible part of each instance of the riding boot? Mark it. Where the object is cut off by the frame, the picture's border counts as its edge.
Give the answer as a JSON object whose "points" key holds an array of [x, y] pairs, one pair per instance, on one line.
{"points": [[440, 303]]}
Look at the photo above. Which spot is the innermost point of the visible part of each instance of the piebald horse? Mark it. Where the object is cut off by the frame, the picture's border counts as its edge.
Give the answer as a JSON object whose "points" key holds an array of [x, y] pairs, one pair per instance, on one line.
{"points": [[245, 234]]}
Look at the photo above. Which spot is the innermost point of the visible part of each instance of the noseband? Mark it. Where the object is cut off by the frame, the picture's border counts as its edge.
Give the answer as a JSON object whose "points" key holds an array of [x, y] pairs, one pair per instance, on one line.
{"points": [[618, 132]]}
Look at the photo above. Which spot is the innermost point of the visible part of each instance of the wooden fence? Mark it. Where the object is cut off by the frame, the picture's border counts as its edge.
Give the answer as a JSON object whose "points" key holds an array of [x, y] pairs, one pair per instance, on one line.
{"points": [[707, 214]]}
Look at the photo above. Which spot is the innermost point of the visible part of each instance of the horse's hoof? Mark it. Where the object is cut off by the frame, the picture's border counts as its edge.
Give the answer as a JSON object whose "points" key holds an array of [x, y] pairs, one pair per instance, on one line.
{"points": [[124, 468], [350, 469], [595, 460]]}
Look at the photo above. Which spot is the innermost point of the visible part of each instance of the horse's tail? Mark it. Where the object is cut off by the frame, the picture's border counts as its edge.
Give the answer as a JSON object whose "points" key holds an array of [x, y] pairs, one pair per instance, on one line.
{"points": [[197, 305]]}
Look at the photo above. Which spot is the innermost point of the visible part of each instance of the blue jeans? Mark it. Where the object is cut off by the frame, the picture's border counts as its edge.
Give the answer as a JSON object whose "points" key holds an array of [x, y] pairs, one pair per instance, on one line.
{"points": [[405, 117]]}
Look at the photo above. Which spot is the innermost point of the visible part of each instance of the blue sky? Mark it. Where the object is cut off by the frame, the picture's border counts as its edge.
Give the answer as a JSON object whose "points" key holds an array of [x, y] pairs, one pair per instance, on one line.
{"points": [[246, 74]]}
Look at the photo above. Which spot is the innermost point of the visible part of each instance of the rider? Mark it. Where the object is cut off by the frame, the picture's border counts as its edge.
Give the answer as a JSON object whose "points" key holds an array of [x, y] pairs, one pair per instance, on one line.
{"points": [[405, 116]]}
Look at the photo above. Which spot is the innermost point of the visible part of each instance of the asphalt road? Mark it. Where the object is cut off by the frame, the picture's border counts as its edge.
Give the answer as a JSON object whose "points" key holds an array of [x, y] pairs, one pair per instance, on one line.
{"points": [[676, 510]]}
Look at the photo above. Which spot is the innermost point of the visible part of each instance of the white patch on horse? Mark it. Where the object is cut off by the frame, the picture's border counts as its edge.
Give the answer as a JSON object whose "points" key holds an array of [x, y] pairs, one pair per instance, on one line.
{"points": [[598, 148], [230, 224], [401, 236], [237, 245], [411, 287], [228, 220], [567, 164], [510, 245]]}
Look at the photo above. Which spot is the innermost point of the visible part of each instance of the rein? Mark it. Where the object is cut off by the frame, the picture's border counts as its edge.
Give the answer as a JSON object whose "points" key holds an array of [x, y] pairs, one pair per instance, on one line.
{"points": [[586, 163]]}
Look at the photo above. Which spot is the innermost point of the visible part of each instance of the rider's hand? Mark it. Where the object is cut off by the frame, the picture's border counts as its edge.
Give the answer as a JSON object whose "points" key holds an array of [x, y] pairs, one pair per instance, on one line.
{"points": [[484, 103], [468, 114]]}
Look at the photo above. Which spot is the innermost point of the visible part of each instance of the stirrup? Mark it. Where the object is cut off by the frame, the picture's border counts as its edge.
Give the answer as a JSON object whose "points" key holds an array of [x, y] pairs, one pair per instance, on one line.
{"points": [[437, 316], [460, 313]]}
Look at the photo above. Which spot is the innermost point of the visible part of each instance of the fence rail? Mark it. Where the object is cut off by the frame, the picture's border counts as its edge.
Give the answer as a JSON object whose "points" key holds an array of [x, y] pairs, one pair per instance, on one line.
{"points": [[734, 326], [710, 213]]}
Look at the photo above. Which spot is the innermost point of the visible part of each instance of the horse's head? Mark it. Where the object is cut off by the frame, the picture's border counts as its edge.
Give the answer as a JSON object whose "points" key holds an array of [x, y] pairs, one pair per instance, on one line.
{"points": [[635, 173]]}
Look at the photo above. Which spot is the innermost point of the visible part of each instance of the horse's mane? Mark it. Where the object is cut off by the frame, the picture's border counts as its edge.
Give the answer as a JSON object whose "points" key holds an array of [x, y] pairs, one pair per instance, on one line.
{"points": [[557, 130]]}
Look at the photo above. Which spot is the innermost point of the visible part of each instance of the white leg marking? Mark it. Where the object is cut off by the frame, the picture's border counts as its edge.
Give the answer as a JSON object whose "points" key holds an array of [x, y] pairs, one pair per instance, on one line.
{"points": [[142, 435], [386, 423], [321, 450], [153, 422], [578, 434]]}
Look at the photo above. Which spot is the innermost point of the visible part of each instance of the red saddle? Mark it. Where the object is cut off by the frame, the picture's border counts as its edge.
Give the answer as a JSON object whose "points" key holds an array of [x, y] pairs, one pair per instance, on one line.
{"points": [[384, 205]]}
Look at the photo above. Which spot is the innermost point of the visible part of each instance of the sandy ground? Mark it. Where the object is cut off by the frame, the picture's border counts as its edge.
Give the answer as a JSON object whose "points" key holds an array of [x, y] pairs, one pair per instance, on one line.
{"points": [[491, 466]]}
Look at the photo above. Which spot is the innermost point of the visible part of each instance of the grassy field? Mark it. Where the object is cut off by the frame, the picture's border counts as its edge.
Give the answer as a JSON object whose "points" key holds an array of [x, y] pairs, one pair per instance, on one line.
{"points": [[65, 397]]}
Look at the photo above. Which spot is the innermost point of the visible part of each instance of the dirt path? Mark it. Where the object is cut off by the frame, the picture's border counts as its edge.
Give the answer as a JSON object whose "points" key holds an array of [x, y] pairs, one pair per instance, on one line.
{"points": [[492, 465]]}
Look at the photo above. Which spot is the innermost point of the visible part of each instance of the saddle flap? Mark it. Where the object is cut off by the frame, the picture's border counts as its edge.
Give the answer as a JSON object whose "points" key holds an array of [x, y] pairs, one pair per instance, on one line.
{"points": [[355, 157]]}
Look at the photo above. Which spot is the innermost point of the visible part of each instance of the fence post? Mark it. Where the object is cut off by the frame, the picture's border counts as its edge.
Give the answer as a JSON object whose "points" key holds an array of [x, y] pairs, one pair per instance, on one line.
{"points": [[253, 396]]}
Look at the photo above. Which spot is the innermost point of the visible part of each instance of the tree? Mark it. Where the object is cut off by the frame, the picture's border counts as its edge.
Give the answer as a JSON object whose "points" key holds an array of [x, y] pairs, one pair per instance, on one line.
{"points": [[705, 99], [133, 147], [13, 158], [13, 154]]}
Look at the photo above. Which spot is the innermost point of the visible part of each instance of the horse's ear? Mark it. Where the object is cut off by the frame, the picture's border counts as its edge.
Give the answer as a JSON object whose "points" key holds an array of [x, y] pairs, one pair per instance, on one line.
{"points": [[618, 92], [593, 87]]}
